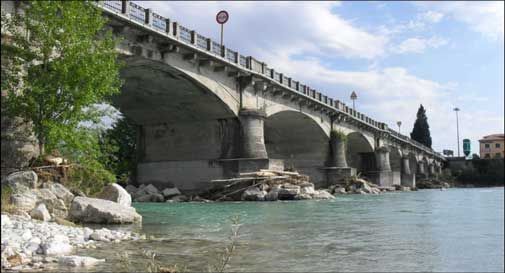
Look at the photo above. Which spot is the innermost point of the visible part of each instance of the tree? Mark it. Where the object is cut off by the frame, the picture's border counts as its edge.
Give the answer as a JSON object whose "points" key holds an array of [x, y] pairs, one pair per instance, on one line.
{"points": [[421, 131], [58, 62], [118, 145]]}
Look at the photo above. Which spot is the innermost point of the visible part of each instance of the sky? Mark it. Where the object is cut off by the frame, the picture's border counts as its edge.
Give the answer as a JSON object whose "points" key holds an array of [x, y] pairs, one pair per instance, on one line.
{"points": [[394, 55]]}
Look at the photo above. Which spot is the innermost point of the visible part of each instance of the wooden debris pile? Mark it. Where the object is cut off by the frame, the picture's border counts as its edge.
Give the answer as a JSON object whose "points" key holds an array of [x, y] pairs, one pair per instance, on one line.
{"points": [[232, 188]]}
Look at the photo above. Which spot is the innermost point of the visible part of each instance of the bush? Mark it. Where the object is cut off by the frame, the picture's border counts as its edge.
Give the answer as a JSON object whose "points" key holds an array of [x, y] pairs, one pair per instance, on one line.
{"points": [[6, 199]]}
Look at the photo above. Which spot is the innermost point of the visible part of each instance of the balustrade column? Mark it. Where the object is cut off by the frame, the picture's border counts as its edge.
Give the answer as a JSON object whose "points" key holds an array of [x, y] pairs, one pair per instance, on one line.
{"points": [[382, 157], [253, 140]]}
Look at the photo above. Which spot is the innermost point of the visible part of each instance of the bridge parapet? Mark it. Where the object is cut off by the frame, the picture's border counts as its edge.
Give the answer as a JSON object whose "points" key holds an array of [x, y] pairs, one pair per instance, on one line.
{"points": [[182, 36]]}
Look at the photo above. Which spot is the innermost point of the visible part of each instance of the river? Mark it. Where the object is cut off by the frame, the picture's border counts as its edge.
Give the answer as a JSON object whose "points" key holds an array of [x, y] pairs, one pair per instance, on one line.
{"points": [[427, 230]]}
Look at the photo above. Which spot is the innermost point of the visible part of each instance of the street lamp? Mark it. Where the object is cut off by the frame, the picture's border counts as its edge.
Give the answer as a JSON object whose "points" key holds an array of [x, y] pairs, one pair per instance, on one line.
{"points": [[353, 98], [399, 123], [457, 126]]}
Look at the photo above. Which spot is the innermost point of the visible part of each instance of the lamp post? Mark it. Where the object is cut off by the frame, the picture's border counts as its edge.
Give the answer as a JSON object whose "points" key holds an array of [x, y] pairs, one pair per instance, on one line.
{"points": [[353, 98], [457, 126], [399, 123]]}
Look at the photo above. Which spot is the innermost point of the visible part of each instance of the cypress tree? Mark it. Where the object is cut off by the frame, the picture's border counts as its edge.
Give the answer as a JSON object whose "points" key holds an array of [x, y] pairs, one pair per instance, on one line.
{"points": [[421, 131]]}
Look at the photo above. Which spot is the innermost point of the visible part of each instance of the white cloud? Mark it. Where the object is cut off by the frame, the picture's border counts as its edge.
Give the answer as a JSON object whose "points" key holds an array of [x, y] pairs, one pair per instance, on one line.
{"points": [[485, 17], [418, 45], [299, 38], [432, 16], [299, 27]]}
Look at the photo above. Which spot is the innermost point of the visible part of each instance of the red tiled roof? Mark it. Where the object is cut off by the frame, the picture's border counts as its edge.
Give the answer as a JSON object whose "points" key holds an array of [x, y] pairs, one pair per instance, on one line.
{"points": [[493, 137]]}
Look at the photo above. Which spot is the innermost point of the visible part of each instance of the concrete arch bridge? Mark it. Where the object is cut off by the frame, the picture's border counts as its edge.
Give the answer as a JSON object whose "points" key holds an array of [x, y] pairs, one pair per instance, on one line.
{"points": [[204, 111]]}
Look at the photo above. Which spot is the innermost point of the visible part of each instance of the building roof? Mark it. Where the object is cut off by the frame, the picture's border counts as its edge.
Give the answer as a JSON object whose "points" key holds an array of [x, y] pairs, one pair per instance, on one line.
{"points": [[493, 137]]}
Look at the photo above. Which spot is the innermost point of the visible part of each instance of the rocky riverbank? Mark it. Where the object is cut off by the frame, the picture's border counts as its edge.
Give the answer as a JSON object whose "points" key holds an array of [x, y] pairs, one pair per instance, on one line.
{"points": [[39, 230], [33, 244]]}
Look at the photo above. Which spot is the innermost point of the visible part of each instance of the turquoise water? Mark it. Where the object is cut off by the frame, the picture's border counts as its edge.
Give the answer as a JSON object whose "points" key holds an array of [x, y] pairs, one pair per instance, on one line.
{"points": [[428, 230]]}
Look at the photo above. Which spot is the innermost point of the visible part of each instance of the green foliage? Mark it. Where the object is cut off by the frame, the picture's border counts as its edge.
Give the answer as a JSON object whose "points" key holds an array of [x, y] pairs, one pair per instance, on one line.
{"points": [[421, 131], [6, 199], [58, 63], [337, 134], [118, 145]]}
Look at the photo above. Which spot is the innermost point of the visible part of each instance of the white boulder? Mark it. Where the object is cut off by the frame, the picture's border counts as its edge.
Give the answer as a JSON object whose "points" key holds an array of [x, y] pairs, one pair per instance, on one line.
{"points": [[93, 210], [56, 245], [322, 194], [22, 181], [116, 193], [40, 213], [60, 191], [79, 261], [5, 220], [253, 194]]}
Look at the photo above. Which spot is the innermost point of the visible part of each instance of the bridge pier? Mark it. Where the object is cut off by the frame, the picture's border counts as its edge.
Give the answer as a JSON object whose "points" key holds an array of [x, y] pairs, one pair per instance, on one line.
{"points": [[431, 170], [337, 168], [408, 178], [252, 132], [384, 175], [421, 170]]}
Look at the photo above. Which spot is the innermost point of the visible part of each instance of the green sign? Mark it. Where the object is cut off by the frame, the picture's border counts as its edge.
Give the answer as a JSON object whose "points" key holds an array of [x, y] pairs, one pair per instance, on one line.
{"points": [[466, 146]]}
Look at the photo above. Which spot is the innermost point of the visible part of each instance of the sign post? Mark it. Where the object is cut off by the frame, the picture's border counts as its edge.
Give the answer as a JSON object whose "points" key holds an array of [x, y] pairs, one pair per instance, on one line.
{"points": [[222, 18]]}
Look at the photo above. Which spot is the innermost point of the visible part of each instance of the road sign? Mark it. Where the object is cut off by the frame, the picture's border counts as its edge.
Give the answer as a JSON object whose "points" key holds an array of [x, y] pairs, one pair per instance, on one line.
{"points": [[466, 146], [222, 17]]}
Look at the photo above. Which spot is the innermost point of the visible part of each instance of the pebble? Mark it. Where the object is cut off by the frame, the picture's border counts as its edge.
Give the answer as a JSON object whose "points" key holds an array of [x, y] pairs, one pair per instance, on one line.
{"points": [[29, 238]]}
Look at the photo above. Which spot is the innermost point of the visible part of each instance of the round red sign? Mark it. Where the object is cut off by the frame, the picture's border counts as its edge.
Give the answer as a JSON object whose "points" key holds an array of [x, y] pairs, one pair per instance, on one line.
{"points": [[222, 17]]}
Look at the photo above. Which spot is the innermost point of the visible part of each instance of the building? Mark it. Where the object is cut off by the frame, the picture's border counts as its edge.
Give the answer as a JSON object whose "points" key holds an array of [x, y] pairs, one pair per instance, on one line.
{"points": [[492, 146]]}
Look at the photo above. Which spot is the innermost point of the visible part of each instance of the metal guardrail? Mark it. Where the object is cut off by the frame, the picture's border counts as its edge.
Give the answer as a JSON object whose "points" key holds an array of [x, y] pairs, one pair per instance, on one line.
{"points": [[153, 21]]}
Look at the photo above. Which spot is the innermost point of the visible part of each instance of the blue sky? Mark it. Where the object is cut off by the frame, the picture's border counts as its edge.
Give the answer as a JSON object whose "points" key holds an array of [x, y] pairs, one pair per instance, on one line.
{"points": [[395, 55]]}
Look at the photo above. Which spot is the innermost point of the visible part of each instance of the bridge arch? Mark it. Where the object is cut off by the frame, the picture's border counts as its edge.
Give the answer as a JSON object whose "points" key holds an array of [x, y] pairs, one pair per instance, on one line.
{"points": [[299, 141], [183, 120], [360, 153]]}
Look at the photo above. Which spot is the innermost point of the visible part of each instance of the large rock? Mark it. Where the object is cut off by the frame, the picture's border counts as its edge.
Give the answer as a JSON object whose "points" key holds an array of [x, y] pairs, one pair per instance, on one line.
{"points": [[116, 193], [307, 188], [60, 191], [322, 194], [273, 194], [41, 213], [53, 204], [150, 189], [288, 192], [253, 194], [93, 210], [24, 201], [79, 261], [156, 197], [5, 221], [169, 192], [56, 245], [19, 144], [22, 181], [131, 189]]}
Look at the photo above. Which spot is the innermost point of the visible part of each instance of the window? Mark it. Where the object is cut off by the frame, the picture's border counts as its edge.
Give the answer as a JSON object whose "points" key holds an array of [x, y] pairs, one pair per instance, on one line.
{"points": [[497, 145], [497, 155], [487, 156], [486, 145]]}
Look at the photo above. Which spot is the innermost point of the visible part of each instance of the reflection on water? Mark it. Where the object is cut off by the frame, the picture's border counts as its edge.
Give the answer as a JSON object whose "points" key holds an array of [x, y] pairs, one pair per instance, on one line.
{"points": [[430, 230]]}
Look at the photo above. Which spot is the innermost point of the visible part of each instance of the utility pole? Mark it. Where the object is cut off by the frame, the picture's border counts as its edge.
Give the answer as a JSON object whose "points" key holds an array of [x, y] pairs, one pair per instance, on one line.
{"points": [[457, 126]]}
